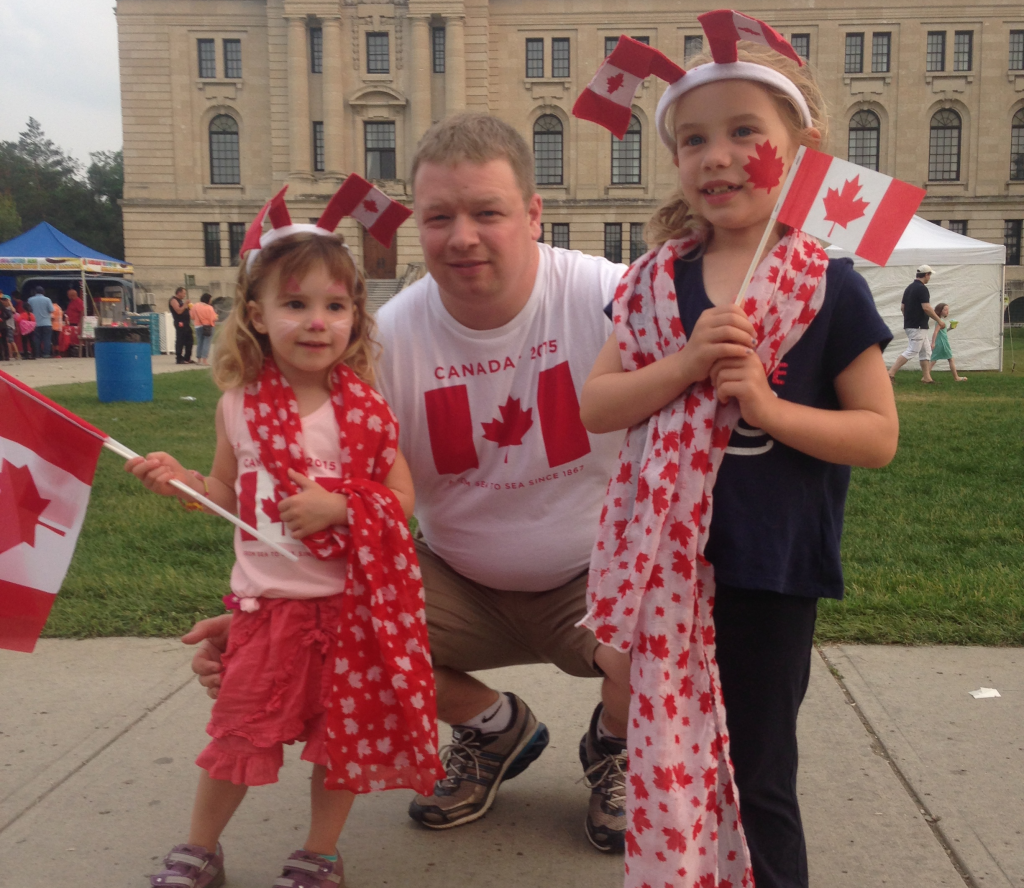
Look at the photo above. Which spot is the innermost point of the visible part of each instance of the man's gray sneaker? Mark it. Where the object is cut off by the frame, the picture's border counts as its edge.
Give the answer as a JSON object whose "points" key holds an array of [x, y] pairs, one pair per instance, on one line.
{"points": [[476, 765], [604, 769]]}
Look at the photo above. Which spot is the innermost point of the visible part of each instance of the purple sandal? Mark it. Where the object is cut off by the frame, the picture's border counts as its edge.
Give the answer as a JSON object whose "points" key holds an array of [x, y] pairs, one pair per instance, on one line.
{"points": [[191, 866], [307, 870]]}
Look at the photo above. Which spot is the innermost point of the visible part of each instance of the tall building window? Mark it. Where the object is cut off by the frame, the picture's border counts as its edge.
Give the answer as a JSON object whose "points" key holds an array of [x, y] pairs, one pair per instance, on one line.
{"points": [[935, 58], [534, 57], [437, 36], [854, 54], [559, 56], [863, 144], [693, 45], [547, 150], [944, 147], [963, 43], [207, 58], [316, 50], [236, 236], [881, 46], [626, 155], [802, 45], [958, 226], [232, 59], [318, 146], [613, 241], [1017, 50], [1017, 147], [224, 166], [560, 235], [380, 150], [378, 60], [1011, 240], [637, 245], [211, 242]]}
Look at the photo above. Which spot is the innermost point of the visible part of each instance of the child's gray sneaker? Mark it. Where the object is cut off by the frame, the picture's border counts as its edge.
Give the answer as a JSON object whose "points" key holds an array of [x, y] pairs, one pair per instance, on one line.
{"points": [[604, 769], [476, 765], [191, 866], [303, 869]]}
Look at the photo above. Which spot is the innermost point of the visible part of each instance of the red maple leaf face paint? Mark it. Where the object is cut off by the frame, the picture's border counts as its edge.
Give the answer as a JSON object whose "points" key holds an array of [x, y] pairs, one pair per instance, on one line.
{"points": [[765, 167]]}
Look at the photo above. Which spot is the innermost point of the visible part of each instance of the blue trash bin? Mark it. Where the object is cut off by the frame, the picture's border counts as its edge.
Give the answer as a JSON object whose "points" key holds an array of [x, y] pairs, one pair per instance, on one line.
{"points": [[124, 367]]}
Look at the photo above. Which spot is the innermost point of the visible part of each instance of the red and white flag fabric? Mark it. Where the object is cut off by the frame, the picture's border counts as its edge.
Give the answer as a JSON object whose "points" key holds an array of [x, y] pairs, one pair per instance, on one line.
{"points": [[608, 98], [371, 207], [724, 27], [860, 210], [47, 460]]}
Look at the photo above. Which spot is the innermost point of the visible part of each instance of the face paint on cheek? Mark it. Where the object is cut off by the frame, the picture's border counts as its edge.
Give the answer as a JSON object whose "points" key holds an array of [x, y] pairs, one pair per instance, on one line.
{"points": [[282, 327], [342, 328], [765, 168]]}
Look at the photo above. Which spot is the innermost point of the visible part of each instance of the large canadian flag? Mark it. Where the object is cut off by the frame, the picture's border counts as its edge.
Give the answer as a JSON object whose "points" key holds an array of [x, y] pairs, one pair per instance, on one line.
{"points": [[860, 210], [47, 460]]}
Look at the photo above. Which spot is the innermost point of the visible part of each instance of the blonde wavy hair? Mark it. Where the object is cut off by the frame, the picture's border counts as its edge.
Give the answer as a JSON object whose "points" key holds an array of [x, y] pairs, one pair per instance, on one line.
{"points": [[241, 349], [673, 219]]}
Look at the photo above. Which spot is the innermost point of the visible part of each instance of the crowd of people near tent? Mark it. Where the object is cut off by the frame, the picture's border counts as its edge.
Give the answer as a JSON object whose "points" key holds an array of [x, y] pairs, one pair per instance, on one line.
{"points": [[38, 327]]}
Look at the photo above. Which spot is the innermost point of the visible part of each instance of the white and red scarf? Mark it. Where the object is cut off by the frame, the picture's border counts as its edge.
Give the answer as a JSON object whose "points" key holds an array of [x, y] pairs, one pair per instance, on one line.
{"points": [[652, 592], [382, 710]]}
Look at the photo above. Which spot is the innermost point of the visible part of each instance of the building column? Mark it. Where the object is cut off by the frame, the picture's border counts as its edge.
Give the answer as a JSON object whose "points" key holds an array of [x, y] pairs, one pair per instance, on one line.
{"points": [[334, 98], [455, 65], [419, 86], [299, 124]]}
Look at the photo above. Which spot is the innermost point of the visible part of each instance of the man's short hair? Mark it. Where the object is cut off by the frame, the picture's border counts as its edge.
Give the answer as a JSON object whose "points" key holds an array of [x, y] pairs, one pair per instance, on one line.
{"points": [[179, 290], [37, 291], [476, 138]]}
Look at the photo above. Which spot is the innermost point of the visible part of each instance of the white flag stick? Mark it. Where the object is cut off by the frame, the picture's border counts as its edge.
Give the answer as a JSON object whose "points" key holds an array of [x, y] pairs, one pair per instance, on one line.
{"points": [[770, 227], [119, 448]]}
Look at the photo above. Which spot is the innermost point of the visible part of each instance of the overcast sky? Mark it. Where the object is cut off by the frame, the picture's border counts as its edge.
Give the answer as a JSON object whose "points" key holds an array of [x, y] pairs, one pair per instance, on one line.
{"points": [[59, 66]]}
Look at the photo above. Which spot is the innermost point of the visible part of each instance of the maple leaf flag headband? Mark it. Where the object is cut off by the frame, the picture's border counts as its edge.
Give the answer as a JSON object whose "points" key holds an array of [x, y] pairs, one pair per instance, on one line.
{"points": [[608, 98], [372, 208]]}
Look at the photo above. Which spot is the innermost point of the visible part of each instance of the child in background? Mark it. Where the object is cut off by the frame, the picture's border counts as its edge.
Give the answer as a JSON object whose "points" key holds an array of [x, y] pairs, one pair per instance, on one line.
{"points": [[764, 406], [940, 343], [305, 447], [56, 324]]}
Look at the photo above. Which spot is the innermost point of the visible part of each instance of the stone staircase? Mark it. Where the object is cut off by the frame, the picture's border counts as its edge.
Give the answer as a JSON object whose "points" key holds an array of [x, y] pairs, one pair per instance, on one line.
{"points": [[380, 291]]}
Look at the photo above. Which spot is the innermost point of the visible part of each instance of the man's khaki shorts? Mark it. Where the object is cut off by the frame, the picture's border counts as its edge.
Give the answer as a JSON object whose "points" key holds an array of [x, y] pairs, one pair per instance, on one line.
{"points": [[476, 627]]}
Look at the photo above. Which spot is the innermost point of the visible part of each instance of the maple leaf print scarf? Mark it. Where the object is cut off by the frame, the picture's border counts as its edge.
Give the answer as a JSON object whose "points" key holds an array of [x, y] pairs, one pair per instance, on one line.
{"points": [[382, 710], [651, 590]]}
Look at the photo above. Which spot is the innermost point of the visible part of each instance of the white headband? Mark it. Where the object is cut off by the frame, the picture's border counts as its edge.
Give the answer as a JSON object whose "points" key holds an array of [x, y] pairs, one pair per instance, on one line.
{"points": [[713, 71], [276, 234]]}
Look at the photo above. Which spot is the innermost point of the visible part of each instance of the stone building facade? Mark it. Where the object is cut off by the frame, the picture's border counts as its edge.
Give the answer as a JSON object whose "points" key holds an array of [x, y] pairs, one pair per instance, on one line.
{"points": [[226, 101]]}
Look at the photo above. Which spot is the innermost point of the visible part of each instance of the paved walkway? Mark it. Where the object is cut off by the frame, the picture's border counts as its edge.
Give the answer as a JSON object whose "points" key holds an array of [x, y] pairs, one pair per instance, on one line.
{"points": [[58, 371], [905, 779]]}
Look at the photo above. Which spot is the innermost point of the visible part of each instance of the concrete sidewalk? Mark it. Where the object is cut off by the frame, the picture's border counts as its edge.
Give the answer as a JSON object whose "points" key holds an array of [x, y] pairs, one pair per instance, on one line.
{"points": [[905, 779], [59, 371]]}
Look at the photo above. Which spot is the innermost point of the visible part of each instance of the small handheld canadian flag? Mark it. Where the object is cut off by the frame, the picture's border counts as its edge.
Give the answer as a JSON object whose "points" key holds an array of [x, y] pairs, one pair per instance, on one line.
{"points": [[368, 205], [860, 210], [608, 98]]}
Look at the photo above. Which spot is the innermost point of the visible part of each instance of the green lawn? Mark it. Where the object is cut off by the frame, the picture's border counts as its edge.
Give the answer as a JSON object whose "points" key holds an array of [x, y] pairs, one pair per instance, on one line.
{"points": [[932, 550]]}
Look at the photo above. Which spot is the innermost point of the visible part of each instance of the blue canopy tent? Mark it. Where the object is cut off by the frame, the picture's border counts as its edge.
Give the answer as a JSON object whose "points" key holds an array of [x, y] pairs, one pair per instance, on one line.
{"points": [[46, 252]]}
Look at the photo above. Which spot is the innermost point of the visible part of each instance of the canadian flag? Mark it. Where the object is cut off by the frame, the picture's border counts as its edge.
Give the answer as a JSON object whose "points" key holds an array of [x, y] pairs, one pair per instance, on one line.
{"points": [[47, 460], [860, 210], [608, 98], [724, 27], [375, 211]]}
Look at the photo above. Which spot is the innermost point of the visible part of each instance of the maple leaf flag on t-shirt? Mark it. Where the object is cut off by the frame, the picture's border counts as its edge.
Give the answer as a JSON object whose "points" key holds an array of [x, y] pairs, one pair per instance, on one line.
{"points": [[371, 207], [47, 460], [845, 204], [608, 98]]}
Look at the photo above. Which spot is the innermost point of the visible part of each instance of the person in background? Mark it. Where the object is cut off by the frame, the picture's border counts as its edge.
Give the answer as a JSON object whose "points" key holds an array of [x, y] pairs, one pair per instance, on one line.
{"points": [[7, 349], [41, 307], [73, 321], [56, 325], [204, 316], [916, 310], [179, 306], [26, 331], [941, 350]]}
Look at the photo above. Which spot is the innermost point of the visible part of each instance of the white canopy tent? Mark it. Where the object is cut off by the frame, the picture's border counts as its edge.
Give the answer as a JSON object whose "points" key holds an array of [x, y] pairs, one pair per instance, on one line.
{"points": [[968, 276]]}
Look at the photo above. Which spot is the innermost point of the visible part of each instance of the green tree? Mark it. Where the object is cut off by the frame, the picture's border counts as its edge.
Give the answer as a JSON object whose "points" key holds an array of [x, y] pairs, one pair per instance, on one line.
{"points": [[48, 185], [10, 221]]}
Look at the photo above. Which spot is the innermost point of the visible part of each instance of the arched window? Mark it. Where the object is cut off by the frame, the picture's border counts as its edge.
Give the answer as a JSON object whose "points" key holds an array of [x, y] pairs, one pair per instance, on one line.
{"points": [[944, 147], [547, 150], [1017, 147], [863, 144], [224, 168], [626, 156]]}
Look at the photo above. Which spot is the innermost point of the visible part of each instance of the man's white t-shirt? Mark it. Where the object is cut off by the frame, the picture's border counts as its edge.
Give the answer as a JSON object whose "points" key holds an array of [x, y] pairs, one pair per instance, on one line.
{"points": [[509, 485]]}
